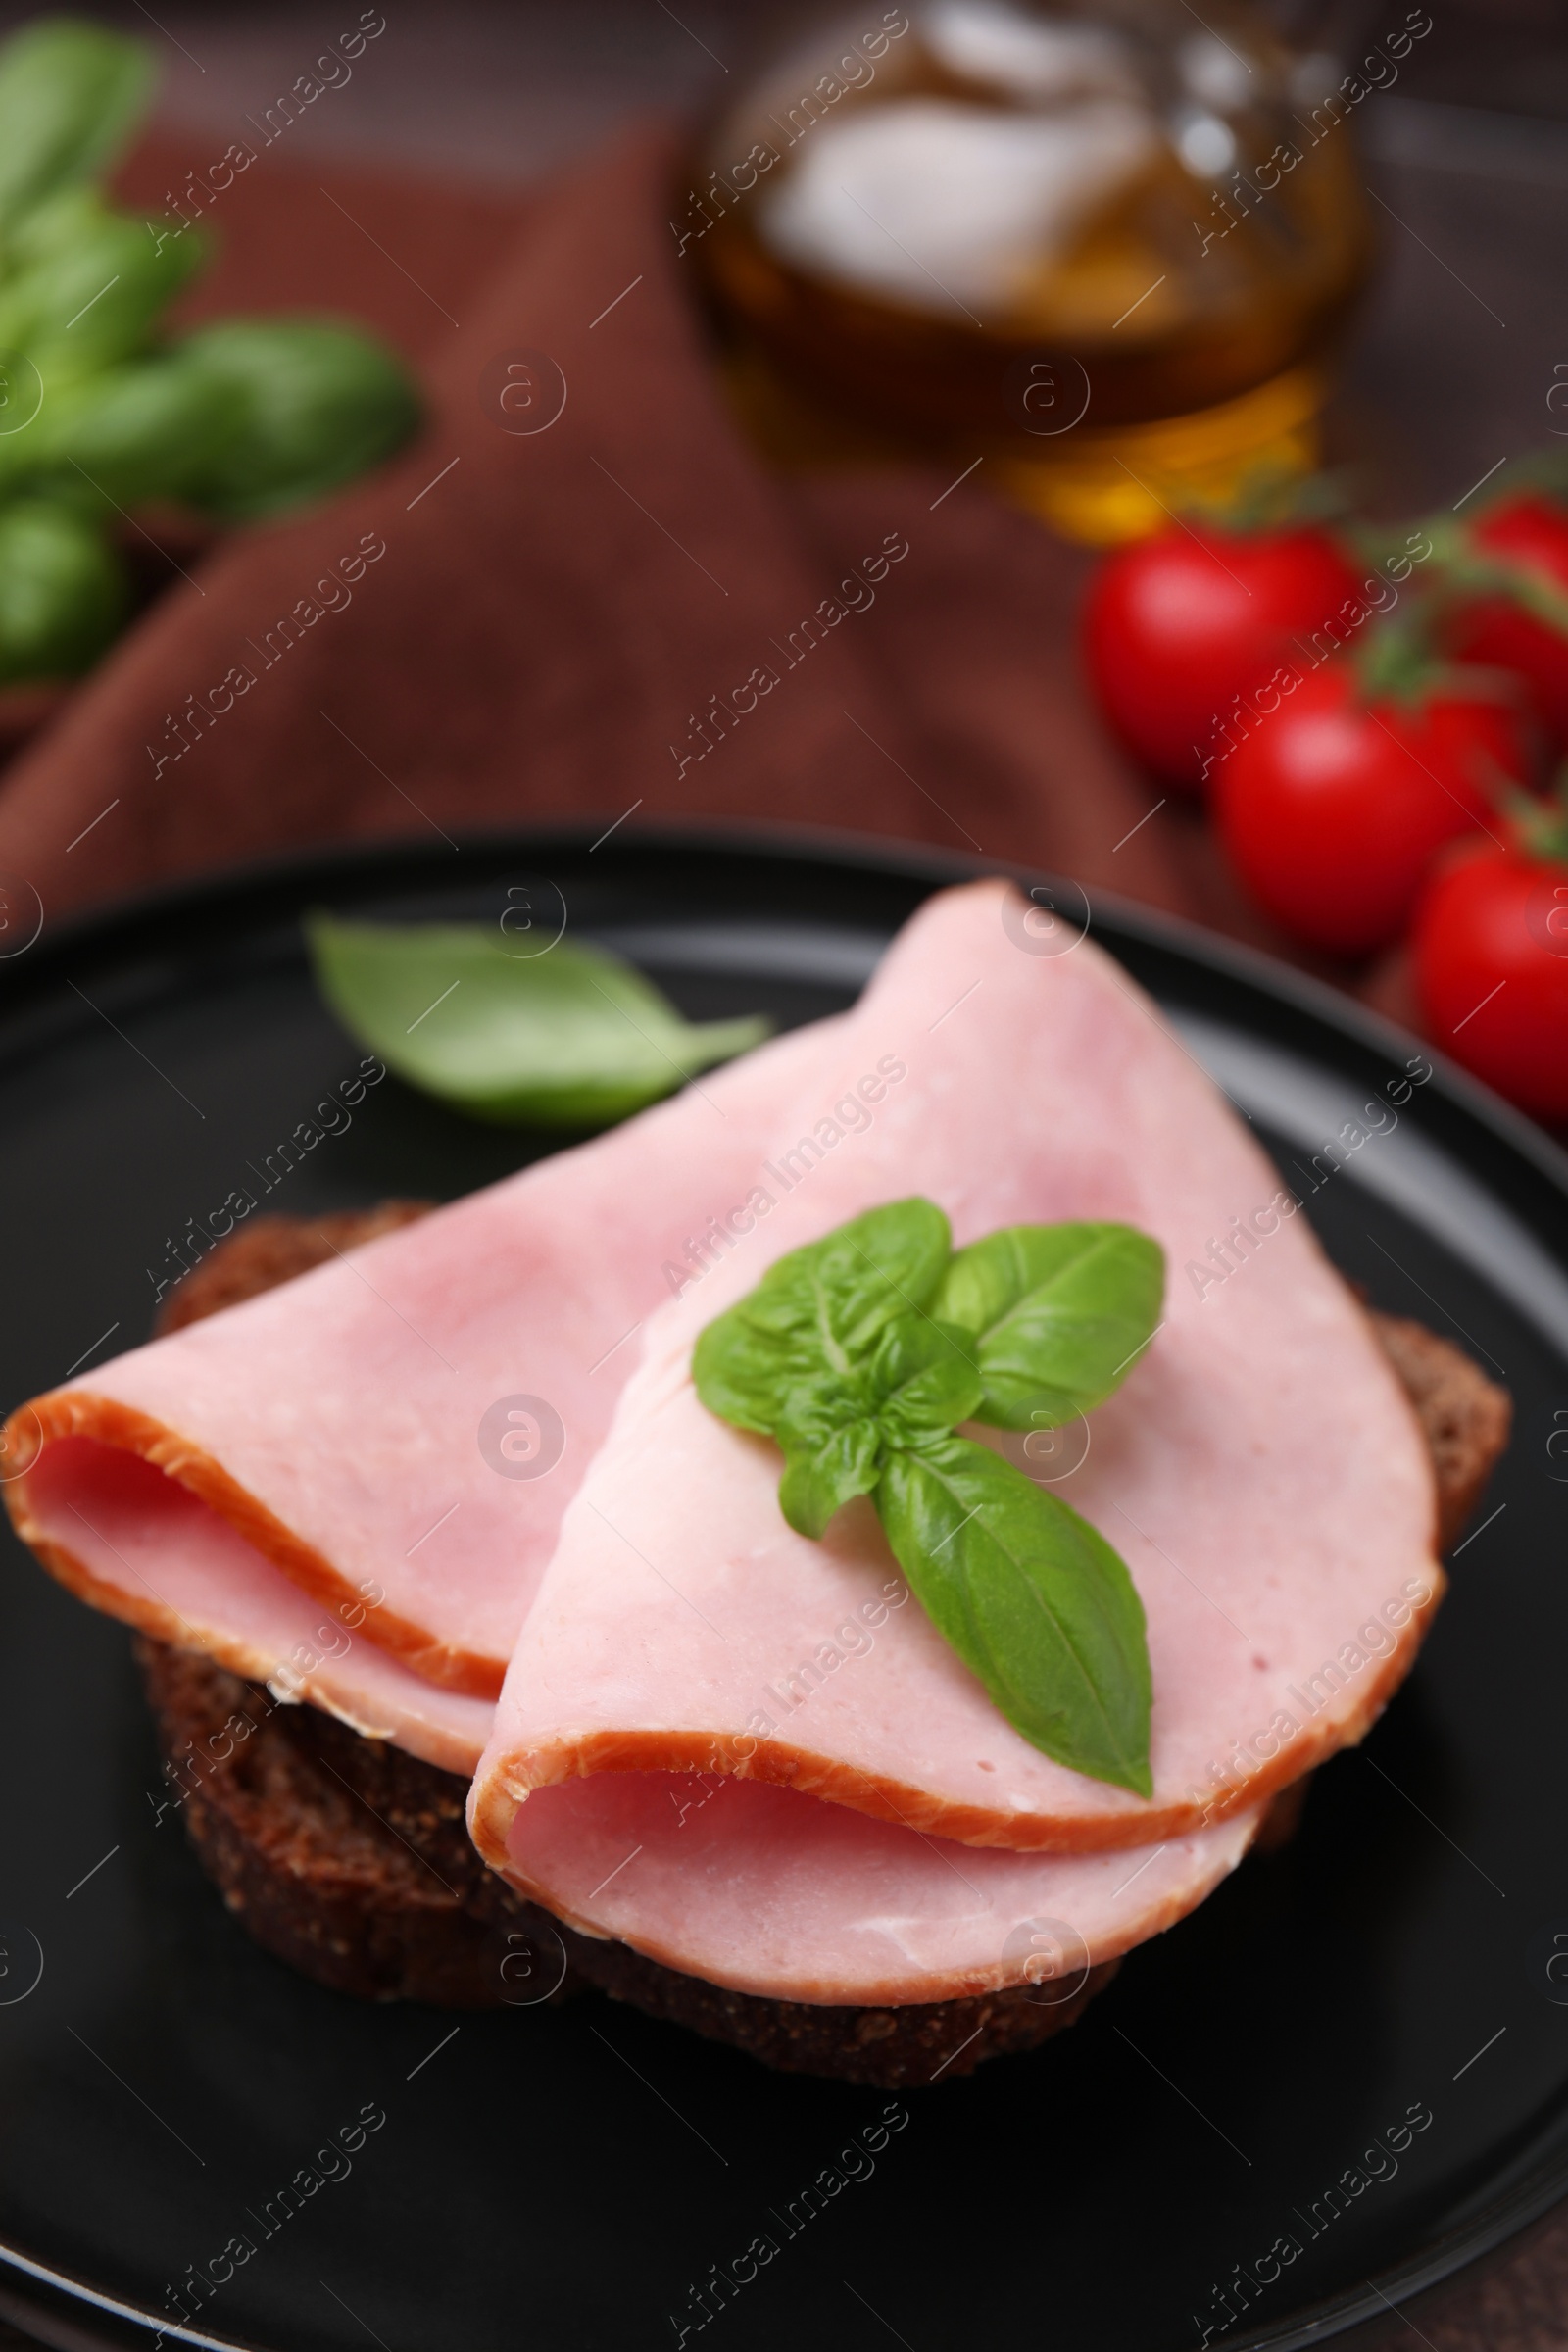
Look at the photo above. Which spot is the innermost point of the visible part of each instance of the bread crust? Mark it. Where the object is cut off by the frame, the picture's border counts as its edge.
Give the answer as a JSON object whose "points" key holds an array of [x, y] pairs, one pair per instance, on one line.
{"points": [[299, 1858], [887, 2049], [1465, 1418], [351, 1860], [267, 1250]]}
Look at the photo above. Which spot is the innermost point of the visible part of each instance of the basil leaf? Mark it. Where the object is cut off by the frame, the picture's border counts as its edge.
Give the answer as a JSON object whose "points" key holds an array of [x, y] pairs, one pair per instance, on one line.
{"points": [[836, 1433], [924, 1379], [830, 1302], [70, 94], [63, 590], [126, 435], [570, 1038], [833, 1450], [317, 404], [1058, 1314], [1032, 1598], [817, 1313], [92, 289], [860, 1352], [741, 1372]]}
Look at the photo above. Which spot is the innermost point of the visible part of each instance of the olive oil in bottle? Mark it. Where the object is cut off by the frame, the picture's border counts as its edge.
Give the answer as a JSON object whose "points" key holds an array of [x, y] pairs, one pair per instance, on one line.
{"points": [[1104, 247]]}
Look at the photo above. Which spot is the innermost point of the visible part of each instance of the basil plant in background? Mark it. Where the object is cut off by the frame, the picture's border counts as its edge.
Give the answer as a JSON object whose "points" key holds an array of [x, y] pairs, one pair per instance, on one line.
{"points": [[860, 1353], [101, 410]]}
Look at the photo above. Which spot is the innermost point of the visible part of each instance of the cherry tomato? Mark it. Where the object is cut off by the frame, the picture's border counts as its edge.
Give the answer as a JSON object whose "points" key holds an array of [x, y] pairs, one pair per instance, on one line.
{"points": [[1490, 953], [1177, 625], [1531, 531], [1335, 806]]}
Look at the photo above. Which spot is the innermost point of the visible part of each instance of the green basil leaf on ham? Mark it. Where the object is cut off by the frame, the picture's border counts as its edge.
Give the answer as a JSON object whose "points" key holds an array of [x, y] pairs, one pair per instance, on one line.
{"points": [[818, 1314], [860, 1353], [1032, 1598], [1058, 1314], [836, 1432], [833, 1450], [925, 1377]]}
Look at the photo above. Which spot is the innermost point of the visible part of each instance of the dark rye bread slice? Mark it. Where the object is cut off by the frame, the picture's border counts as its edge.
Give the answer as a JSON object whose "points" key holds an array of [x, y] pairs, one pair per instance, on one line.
{"points": [[351, 1860], [303, 1861]]}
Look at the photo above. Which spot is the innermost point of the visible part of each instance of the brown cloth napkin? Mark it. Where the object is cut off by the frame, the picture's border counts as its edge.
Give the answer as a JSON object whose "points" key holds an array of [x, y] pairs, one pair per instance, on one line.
{"points": [[548, 613], [554, 611]]}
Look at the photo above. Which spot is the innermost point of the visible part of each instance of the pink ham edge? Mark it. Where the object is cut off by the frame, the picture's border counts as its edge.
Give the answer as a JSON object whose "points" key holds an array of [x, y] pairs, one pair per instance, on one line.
{"points": [[177, 1570], [1260, 1471], [333, 1423], [769, 1892]]}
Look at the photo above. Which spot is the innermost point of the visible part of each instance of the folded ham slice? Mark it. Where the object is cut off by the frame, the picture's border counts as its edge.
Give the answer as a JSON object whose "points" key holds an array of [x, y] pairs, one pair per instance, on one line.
{"points": [[1259, 1470], [769, 1892], [143, 1547], [300, 1478]]}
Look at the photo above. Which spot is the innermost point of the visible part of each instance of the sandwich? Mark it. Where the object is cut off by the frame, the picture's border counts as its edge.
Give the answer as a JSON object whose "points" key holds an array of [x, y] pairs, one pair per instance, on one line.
{"points": [[489, 1663]]}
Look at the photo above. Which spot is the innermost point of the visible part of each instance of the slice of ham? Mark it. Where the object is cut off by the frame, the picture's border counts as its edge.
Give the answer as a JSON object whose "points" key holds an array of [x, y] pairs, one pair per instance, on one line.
{"points": [[319, 1445], [143, 1547], [1259, 1470], [771, 1892]]}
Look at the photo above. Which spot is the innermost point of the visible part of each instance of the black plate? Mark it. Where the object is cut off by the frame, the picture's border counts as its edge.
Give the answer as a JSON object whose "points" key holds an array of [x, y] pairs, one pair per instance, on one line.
{"points": [[564, 2179]]}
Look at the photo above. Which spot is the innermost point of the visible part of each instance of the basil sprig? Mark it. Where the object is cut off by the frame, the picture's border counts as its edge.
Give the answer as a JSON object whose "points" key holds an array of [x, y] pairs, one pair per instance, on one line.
{"points": [[102, 410], [860, 1353]]}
